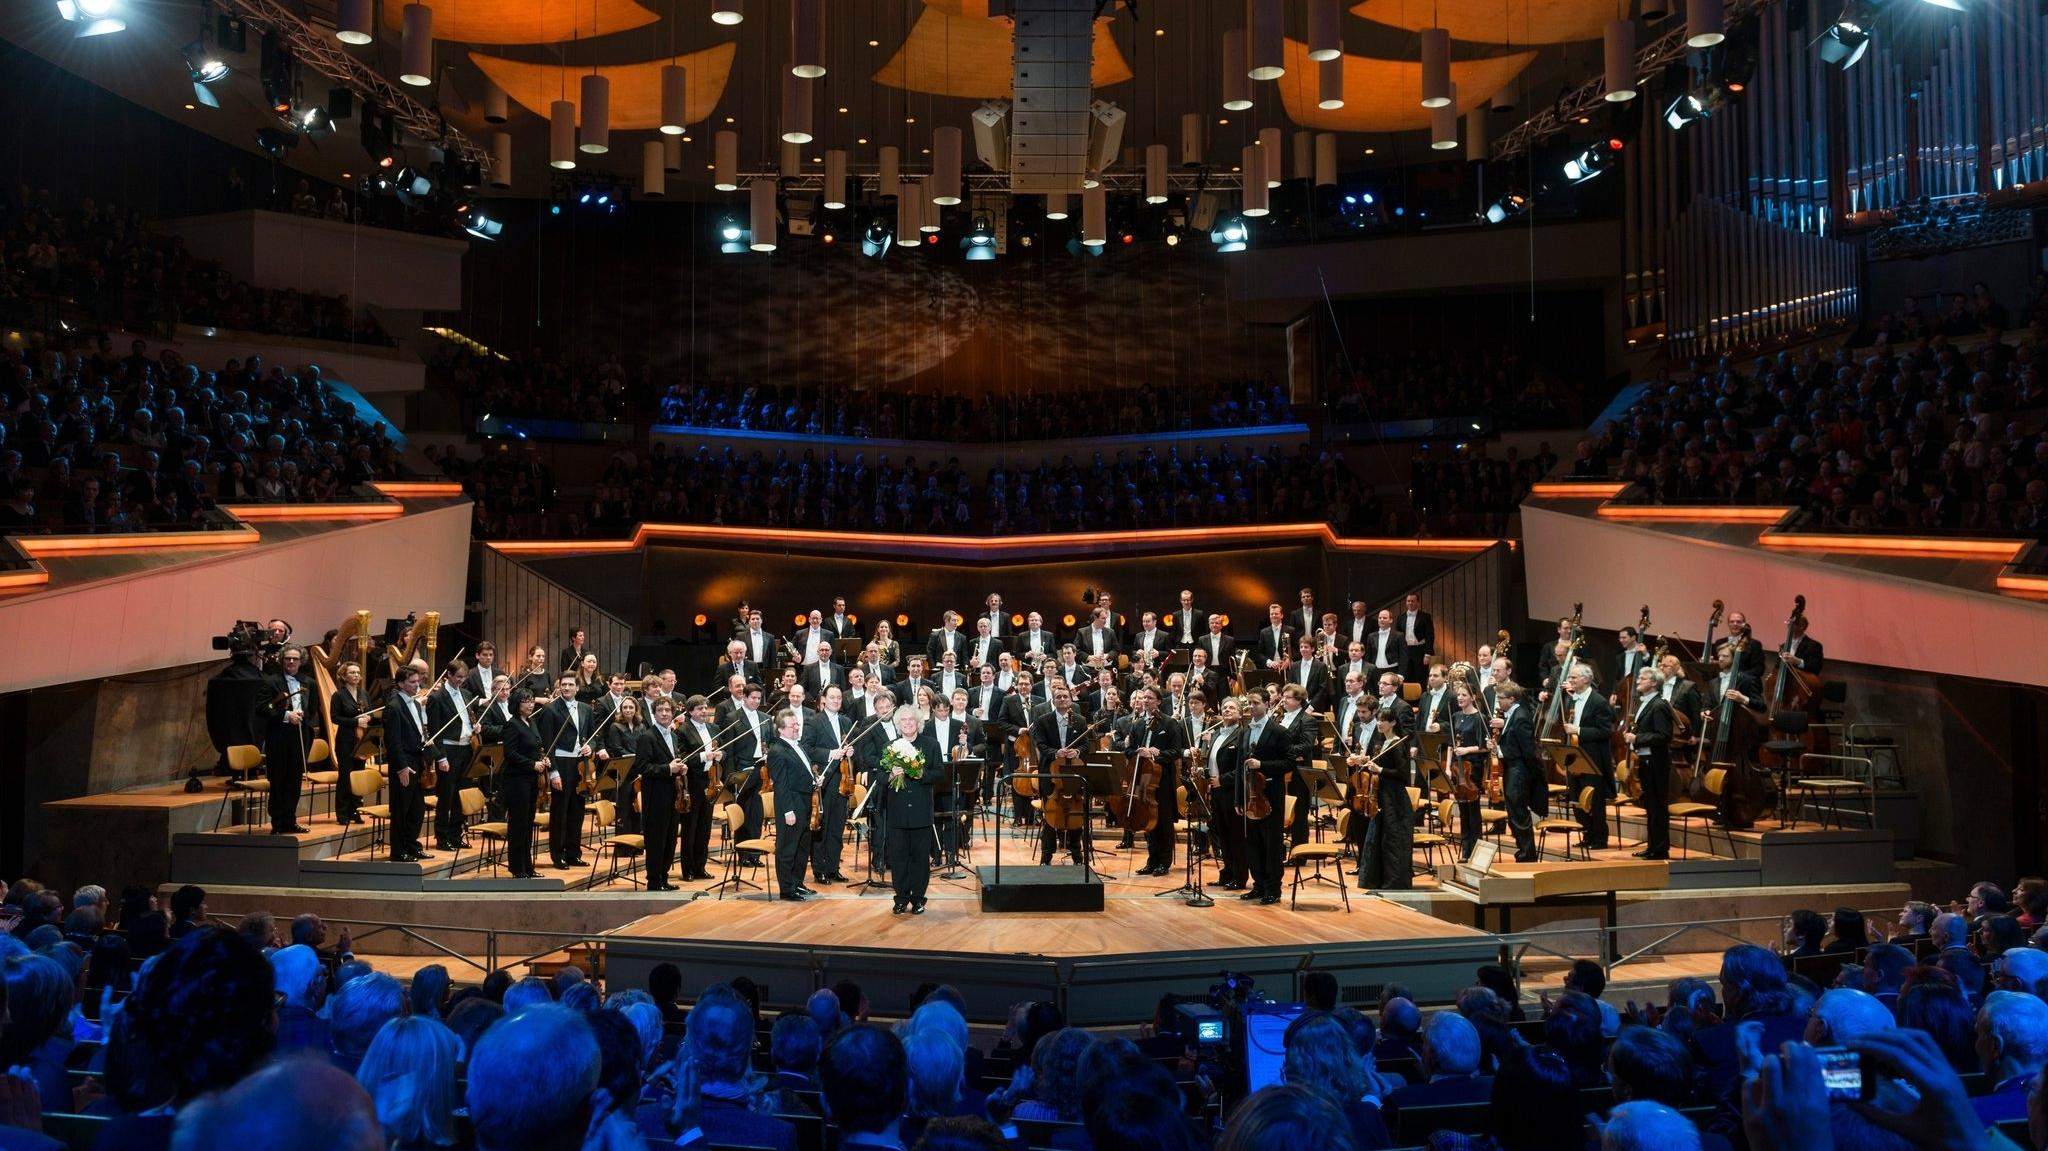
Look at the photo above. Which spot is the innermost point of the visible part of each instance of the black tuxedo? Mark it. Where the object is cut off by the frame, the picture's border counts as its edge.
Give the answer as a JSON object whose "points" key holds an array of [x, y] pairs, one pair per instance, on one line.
{"points": [[1089, 642], [746, 669], [828, 846], [1415, 656], [938, 645], [405, 751], [1170, 739], [1046, 734], [1222, 651], [481, 685], [1596, 743], [1273, 643], [654, 752], [818, 676], [1652, 727], [1810, 654], [285, 744], [1304, 620], [1046, 641], [905, 690], [702, 779], [789, 766], [1523, 783], [1304, 735], [344, 707], [1626, 665], [564, 725], [998, 623], [1314, 678], [1193, 623], [518, 789], [804, 640], [1440, 714], [1356, 628], [452, 747], [1264, 838], [909, 815], [1389, 653], [983, 649], [747, 750]]}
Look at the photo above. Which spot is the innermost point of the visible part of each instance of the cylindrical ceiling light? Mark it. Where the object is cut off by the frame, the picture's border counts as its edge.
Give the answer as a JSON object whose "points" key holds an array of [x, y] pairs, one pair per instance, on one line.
{"points": [[909, 210], [725, 161], [562, 134], [1304, 154], [1253, 171], [1325, 30], [1330, 84], [1270, 144], [653, 177], [835, 178], [1191, 140], [1443, 123], [1326, 159], [1095, 216], [1265, 24], [927, 214], [761, 215], [416, 49], [1436, 67], [1155, 173], [594, 134], [1237, 87], [353, 23], [946, 166], [501, 159], [1655, 9], [675, 99], [888, 170], [672, 154], [1705, 23], [1476, 142], [792, 164], [1621, 61], [728, 11], [807, 38], [496, 108], [796, 110], [1055, 205]]}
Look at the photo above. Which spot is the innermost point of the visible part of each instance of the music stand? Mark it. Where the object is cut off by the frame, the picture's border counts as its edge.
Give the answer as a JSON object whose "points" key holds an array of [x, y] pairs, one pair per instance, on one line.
{"points": [[880, 820], [962, 775], [1321, 785], [1098, 778], [1191, 868], [1259, 677]]}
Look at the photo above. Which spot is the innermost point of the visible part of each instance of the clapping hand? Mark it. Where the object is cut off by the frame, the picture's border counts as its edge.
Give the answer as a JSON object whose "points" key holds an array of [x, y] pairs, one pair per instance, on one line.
{"points": [[1940, 1118]]}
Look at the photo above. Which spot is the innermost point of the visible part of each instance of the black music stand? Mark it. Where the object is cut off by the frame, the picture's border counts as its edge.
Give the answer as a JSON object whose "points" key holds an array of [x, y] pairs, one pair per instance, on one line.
{"points": [[1098, 778], [1321, 785], [962, 775], [1191, 869]]}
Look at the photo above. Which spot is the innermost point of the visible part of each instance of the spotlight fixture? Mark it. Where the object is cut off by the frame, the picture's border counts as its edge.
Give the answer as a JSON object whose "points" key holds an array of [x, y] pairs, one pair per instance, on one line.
{"points": [[1845, 41], [276, 141], [482, 226], [313, 121], [877, 238], [979, 244], [732, 236], [412, 181], [93, 17], [1173, 239], [1697, 104], [206, 67], [1510, 205], [1593, 161], [1231, 234]]}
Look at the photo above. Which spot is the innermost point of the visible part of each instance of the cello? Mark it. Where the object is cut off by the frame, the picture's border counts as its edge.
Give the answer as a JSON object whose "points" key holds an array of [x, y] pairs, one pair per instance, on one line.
{"points": [[1058, 812], [1136, 803], [1627, 778]]}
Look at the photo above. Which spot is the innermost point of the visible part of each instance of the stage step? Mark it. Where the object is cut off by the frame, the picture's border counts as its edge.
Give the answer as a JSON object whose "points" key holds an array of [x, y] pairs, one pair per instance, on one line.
{"points": [[1040, 887]]}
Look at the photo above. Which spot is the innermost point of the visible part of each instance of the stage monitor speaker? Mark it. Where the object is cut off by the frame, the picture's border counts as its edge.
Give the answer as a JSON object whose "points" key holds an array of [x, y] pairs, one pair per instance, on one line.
{"points": [[1058, 887]]}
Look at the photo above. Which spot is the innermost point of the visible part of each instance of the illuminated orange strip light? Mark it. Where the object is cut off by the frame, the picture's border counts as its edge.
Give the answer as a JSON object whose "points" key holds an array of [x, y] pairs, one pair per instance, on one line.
{"points": [[336, 511], [1979, 549], [40, 546], [1580, 489], [1685, 514], [1257, 533], [34, 577], [418, 488]]}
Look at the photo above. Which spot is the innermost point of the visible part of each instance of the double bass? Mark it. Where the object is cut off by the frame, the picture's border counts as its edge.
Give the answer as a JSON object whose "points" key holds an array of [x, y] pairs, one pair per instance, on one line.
{"points": [[1745, 788], [1550, 733], [1791, 688], [1627, 778], [1136, 802]]}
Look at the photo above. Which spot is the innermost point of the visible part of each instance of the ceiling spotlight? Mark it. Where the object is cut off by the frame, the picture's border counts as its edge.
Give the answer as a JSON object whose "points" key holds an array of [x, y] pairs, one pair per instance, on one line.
{"points": [[1231, 234], [728, 11], [1697, 104], [94, 17], [1593, 161], [205, 66], [482, 226], [413, 182], [313, 121], [1510, 205], [1844, 43], [732, 236], [877, 239], [1173, 239], [979, 244]]}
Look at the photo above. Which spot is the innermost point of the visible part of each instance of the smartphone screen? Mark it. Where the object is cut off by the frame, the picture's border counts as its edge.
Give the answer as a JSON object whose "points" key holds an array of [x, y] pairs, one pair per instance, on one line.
{"points": [[1841, 1071]]}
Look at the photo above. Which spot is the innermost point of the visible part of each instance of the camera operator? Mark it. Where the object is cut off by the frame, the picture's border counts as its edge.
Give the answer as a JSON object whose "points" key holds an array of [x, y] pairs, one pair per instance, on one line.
{"points": [[286, 723], [234, 694]]}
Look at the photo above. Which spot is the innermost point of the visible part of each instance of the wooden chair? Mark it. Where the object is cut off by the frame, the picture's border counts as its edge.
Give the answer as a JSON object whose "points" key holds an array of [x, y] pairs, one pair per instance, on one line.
{"points": [[1565, 826], [244, 759], [365, 783], [1318, 854], [738, 849], [472, 800], [326, 779], [1824, 781], [1684, 813], [616, 847]]}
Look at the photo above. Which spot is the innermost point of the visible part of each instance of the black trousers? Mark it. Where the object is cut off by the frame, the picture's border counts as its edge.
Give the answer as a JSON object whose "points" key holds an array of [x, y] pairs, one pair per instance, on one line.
{"points": [[1159, 840], [346, 805], [286, 772], [565, 818], [448, 794], [1528, 800], [829, 845], [1656, 774], [518, 789], [910, 866], [792, 846], [408, 811], [1265, 849], [658, 826], [1593, 816], [1297, 828], [1230, 833], [1468, 827], [1051, 840]]}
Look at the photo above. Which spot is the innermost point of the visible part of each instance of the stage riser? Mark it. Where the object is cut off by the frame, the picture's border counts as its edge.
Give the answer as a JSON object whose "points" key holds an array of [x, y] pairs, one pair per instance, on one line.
{"points": [[456, 915], [1785, 858]]}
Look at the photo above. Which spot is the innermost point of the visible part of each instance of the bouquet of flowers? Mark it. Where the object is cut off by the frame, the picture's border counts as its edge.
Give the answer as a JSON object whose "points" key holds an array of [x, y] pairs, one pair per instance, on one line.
{"points": [[902, 758]]}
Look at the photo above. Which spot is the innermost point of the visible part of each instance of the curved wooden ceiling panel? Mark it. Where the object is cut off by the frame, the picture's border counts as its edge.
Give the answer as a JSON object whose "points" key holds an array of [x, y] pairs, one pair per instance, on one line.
{"points": [[636, 88], [527, 21], [969, 56], [1385, 95], [1485, 21]]}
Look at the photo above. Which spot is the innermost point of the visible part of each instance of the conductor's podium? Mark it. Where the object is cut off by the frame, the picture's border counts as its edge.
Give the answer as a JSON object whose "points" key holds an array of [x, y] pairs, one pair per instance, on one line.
{"points": [[1505, 885]]}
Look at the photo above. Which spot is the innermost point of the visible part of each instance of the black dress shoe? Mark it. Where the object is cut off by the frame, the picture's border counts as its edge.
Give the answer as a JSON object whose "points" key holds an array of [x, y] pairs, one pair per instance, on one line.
{"points": [[1653, 855], [899, 908], [802, 890], [836, 877], [1252, 894], [791, 897], [1268, 900], [917, 908], [821, 879]]}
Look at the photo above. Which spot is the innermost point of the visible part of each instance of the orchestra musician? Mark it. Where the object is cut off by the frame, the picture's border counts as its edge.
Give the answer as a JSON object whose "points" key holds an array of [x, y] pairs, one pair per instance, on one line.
{"points": [[1649, 736], [760, 645], [1202, 675], [1057, 734], [1218, 649], [789, 767], [986, 646], [1266, 750], [1034, 643], [534, 676], [949, 677], [347, 709], [1274, 647], [619, 732], [1190, 623], [1097, 643], [1387, 843], [747, 742], [284, 720], [1311, 674], [998, 622], [1148, 644], [825, 736], [840, 623], [1221, 757], [698, 744], [1635, 656], [1467, 741], [1734, 683], [1802, 650], [910, 817], [1590, 720], [950, 735], [405, 749], [906, 690], [518, 782], [1303, 620], [578, 649], [565, 727], [814, 641], [947, 639], [484, 676], [736, 664], [1303, 737], [1354, 706], [1155, 738], [1552, 652], [1385, 646], [1523, 786], [821, 672], [1678, 691], [658, 766], [448, 720], [868, 746], [1433, 710], [1418, 636], [888, 652]]}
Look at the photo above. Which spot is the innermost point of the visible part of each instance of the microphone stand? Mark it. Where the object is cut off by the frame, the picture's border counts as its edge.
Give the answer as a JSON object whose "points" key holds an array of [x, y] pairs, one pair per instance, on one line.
{"points": [[875, 838]]}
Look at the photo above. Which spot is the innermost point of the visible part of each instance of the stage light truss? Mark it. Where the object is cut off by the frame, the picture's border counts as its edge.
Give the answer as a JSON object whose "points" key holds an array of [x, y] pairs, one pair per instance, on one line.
{"points": [[320, 51], [1589, 98], [998, 183]]}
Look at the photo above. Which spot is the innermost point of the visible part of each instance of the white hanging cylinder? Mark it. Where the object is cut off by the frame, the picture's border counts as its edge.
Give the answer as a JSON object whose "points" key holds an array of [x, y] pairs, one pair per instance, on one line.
{"points": [[927, 215], [675, 99], [1330, 84], [594, 134], [761, 215], [353, 23], [792, 164], [1237, 87], [653, 177], [1436, 67], [807, 38], [1095, 216], [725, 161], [1705, 23], [1304, 154], [672, 154], [1255, 193], [1265, 24], [1055, 205], [1443, 123], [1155, 173], [1477, 142], [1326, 159], [562, 134], [1325, 30], [1270, 145], [946, 165], [728, 11], [908, 211], [416, 48], [796, 110], [501, 159], [1620, 58], [835, 178]]}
